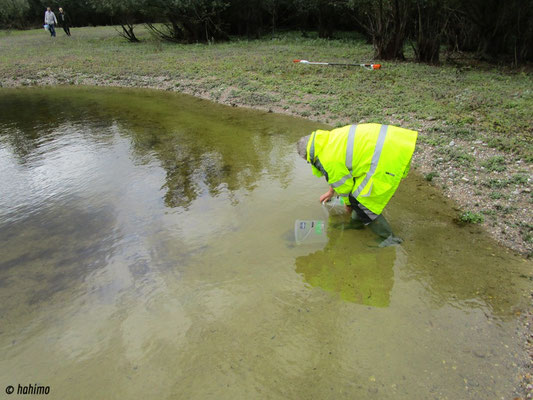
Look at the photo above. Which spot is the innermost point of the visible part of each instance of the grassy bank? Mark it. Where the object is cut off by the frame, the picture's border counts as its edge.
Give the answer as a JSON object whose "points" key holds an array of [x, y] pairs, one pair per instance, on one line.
{"points": [[475, 121]]}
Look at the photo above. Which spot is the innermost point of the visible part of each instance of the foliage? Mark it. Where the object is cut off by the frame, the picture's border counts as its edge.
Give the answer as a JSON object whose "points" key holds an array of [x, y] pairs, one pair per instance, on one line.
{"points": [[386, 22], [430, 20], [498, 27], [126, 13], [323, 14], [13, 12], [188, 21], [470, 217], [429, 177], [496, 163]]}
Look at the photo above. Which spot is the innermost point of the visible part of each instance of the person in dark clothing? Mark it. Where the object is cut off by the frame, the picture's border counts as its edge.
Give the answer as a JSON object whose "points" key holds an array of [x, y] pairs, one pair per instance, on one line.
{"points": [[65, 21]]}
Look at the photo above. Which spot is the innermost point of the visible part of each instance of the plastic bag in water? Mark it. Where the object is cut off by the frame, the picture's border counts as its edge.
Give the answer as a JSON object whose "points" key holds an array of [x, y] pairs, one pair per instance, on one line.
{"points": [[310, 231], [335, 206]]}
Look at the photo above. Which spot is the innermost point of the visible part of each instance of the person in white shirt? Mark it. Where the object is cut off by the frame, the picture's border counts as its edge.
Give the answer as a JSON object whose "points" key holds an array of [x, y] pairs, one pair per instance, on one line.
{"points": [[50, 20]]}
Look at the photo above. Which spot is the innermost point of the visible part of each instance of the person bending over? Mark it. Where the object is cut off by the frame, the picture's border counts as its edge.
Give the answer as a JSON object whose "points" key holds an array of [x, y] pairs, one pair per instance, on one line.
{"points": [[363, 164]]}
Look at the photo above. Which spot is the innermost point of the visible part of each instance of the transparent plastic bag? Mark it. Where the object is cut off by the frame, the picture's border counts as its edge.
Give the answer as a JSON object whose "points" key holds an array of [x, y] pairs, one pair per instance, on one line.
{"points": [[310, 231], [335, 206]]}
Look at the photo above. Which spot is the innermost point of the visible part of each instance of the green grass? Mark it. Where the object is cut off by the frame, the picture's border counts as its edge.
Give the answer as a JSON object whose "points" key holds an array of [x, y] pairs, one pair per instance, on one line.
{"points": [[478, 103], [470, 217], [456, 155], [429, 177], [496, 195], [496, 163], [516, 179]]}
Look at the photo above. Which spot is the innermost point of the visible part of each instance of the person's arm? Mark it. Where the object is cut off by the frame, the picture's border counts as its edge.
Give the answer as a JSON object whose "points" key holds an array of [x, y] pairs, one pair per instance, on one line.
{"points": [[55, 19], [341, 181]]}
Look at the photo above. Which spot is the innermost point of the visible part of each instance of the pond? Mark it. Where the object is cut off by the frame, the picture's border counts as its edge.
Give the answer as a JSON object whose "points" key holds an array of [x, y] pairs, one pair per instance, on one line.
{"points": [[148, 252]]}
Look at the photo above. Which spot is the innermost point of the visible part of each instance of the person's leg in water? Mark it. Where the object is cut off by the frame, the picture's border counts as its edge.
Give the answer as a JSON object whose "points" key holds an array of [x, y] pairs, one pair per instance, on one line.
{"points": [[381, 227], [377, 223], [355, 221]]}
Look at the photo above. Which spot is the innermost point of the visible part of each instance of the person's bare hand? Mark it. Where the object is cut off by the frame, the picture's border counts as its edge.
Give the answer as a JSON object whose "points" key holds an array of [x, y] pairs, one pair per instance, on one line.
{"points": [[327, 196]]}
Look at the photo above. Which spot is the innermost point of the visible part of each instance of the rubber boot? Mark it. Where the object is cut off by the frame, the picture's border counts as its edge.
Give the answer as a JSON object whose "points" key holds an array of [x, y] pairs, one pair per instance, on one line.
{"points": [[381, 227]]}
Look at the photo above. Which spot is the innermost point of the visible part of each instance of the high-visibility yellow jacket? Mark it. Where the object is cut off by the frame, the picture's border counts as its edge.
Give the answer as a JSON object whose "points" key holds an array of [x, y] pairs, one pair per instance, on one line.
{"points": [[367, 161]]}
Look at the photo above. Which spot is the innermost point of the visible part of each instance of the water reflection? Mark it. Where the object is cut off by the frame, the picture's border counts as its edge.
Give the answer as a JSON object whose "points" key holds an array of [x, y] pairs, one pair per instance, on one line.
{"points": [[458, 265], [351, 265], [201, 156]]}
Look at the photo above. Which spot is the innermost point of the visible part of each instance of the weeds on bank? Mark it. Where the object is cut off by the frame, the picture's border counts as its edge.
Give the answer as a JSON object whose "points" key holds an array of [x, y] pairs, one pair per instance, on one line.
{"points": [[456, 154], [516, 179], [497, 195], [470, 217], [429, 177], [496, 163]]}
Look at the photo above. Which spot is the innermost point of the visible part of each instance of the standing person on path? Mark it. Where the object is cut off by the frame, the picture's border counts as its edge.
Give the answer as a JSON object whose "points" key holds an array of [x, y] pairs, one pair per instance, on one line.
{"points": [[65, 21], [50, 20], [363, 164]]}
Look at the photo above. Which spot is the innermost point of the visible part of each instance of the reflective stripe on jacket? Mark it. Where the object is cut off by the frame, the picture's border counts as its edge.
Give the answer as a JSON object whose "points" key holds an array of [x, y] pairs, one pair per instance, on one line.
{"points": [[365, 160]]}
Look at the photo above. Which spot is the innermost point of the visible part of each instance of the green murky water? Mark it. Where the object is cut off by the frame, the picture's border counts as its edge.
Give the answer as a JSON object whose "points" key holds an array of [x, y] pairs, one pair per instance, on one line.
{"points": [[146, 252]]}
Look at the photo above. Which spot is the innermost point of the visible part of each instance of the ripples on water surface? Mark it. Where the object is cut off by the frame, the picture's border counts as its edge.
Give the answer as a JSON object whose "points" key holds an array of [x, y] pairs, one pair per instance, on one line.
{"points": [[146, 252]]}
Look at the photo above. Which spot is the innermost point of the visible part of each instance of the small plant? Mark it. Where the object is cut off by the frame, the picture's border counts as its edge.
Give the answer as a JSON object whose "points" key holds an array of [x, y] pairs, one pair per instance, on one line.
{"points": [[462, 132], [470, 217], [518, 179], [456, 154], [496, 163], [526, 232], [492, 213], [429, 177], [496, 195], [497, 183]]}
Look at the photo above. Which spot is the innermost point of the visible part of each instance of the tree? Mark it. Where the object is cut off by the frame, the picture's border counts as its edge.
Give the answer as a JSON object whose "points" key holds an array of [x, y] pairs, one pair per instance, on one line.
{"points": [[124, 12], [430, 20], [501, 27], [326, 15], [13, 13], [386, 22], [187, 21], [245, 18]]}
